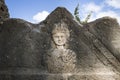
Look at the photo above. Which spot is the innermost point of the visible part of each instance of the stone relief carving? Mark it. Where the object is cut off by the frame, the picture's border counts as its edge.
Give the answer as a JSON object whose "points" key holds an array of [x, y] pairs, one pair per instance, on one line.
{"points": [[59, 59]]}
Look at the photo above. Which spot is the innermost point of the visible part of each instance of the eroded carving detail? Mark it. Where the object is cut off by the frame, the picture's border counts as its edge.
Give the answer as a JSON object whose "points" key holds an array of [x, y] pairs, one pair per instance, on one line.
{"points": [[59, 58]]}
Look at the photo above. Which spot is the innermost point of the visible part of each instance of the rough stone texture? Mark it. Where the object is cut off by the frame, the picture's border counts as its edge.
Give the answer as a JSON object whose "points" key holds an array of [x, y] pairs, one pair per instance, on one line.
{"points": [[3, 11], [60, 61], [23, 44]]}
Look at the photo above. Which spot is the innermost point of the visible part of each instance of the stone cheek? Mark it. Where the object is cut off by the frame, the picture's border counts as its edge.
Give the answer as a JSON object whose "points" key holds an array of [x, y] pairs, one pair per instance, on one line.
{"points": [[61, 61]]}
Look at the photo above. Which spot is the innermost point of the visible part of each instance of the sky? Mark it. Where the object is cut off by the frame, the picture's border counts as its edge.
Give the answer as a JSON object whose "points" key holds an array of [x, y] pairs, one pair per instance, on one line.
{"points": [[36, 11]]}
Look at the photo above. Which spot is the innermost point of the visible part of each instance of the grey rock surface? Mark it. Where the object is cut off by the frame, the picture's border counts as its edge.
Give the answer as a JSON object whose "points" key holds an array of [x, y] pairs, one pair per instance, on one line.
{"points": [[3, 11], [23, 45]]}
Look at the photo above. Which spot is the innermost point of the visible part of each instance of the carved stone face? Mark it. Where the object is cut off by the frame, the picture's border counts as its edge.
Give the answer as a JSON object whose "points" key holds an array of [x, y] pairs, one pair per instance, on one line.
{"points": [[59, 38]]}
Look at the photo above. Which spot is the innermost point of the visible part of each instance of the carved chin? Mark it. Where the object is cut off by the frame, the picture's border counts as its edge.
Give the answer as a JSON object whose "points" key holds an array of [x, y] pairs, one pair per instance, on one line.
{"points": [[60, 43]]}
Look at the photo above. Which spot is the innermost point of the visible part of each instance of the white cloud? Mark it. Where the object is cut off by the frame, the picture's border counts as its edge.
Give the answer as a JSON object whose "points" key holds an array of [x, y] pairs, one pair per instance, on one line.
{"points": [[111, 14], [91, 7], [40, 16], [107, 13], [113, 3], [87, 8], [98, 11]]}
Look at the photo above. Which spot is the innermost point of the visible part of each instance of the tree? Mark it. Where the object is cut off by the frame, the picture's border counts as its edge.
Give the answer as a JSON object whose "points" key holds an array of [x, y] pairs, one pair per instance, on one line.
{"points": [[76, 15]]}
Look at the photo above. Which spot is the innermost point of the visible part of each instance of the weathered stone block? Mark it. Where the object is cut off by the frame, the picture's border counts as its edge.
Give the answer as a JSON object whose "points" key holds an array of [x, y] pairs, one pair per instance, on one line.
{"points": [[24, 46]]}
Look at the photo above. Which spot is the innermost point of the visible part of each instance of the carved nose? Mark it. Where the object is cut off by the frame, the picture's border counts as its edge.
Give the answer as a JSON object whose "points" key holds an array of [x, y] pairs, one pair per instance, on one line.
{"points": [[59, 40]]}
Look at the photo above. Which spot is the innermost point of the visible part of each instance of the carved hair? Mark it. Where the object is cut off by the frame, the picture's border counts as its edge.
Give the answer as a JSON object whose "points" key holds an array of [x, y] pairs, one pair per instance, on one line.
{"points": [[62, 28]]}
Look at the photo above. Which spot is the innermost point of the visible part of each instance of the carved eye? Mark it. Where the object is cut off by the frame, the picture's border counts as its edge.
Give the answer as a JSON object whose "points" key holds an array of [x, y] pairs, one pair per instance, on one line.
{"points": [[56, 36], [61, 36]]}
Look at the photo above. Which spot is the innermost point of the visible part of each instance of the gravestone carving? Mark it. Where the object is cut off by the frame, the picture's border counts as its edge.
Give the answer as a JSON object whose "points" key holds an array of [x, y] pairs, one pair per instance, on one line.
{"points": [[59, 58], [59, 49]]}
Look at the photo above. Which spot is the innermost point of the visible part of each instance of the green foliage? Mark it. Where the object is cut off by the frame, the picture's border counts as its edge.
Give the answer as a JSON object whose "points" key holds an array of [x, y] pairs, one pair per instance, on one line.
{"points": [[76, 15], [88, 17]]}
